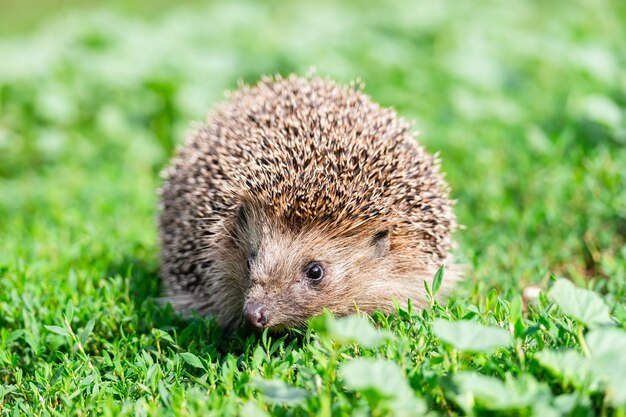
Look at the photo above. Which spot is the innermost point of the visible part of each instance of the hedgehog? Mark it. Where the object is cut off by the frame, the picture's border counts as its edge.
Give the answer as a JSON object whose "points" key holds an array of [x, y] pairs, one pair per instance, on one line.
{"points": [[300, 195]]}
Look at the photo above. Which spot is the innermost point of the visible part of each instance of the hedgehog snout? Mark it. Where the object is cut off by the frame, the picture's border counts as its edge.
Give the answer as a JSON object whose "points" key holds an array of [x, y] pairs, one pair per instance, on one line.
{"points": [[256, 314]]}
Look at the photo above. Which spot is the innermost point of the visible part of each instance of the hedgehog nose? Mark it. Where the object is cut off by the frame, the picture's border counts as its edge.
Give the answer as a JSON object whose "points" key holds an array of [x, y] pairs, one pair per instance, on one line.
{"points": [[256, 314]]}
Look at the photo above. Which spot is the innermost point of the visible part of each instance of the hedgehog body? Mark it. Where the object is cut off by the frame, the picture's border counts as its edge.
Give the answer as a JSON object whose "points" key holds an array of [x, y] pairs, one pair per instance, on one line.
{"points": [[299, 195]]}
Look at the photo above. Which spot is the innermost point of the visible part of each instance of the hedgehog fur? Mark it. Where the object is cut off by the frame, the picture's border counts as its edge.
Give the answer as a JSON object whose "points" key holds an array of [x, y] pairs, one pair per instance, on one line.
{"points": [[296, 178]]}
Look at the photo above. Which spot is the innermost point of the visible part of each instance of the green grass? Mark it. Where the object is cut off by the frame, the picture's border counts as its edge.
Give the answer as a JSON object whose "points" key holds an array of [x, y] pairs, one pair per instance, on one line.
{"points": [[525, 101]]}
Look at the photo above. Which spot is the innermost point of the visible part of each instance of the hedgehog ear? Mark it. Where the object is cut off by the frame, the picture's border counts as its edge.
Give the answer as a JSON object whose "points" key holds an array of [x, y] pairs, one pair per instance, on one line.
{"points": [[381, 243], [241, 219]]}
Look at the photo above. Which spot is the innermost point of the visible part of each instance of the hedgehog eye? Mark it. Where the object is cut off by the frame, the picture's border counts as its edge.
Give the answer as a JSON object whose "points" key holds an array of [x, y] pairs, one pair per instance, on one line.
{"points": [[314, 272]]}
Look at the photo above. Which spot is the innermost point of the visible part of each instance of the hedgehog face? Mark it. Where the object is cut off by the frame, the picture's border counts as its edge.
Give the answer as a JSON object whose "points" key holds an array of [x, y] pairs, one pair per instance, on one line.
{"points": [[289, 277]]}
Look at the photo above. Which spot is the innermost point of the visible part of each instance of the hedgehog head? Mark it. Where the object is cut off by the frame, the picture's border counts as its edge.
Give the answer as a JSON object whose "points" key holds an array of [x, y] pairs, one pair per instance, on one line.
{"points": [[292, 271]]}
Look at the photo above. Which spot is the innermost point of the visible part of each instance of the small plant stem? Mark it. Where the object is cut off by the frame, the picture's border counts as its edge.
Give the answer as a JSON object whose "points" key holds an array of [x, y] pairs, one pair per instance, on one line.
{"points": [[326, 401], [79, 344], [455, 360], [583, 344]]}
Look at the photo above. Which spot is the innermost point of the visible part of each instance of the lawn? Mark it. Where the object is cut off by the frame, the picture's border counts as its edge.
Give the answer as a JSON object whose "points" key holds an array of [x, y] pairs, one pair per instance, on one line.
{"points": [[526, 103]]}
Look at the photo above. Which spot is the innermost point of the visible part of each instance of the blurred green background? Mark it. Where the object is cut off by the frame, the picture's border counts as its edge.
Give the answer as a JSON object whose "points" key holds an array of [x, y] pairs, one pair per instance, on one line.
{"points": [[23, 16]]}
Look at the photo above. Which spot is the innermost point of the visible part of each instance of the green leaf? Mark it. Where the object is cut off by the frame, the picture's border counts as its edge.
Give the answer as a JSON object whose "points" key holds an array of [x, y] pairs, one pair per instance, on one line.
{"points": [[57, 374], [470, 385], [276, 391], [602, 109], [437, 280], [608, 361], [88, 379], [353, 329], [160, 334], [407, 407], [570, 365], [69, 311], [473, 390], [87, 331], [583, 305], [14, 335], [611, 370], [252, 409], [566, 404], [611, 341], [605, 369], [384, 385], [470, 336], [58, 330], [377, 377], [192, 360]]}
